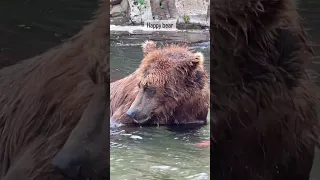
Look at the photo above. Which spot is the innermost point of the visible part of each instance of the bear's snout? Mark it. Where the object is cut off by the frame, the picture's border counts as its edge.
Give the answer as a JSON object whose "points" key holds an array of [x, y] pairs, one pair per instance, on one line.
{"points": [[137, 116], [132, 113]]}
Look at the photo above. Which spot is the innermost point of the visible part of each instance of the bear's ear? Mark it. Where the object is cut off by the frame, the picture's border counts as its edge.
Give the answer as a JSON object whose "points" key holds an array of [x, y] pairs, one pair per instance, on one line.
{"points": [[198, 59], [148, 46]]}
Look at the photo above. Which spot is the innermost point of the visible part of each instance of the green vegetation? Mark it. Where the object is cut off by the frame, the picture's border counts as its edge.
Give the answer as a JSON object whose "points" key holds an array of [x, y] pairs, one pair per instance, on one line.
{"points": [[186, 19], [161, 5], [141, 4]]}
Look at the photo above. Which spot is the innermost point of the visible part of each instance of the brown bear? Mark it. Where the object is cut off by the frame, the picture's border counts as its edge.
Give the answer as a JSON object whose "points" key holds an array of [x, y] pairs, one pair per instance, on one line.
{"points": [[264, 119], [170, 87], [54, 121]]}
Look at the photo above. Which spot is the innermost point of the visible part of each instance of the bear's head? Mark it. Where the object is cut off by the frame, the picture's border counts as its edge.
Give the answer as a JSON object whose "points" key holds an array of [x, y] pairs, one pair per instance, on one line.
{"points": [[167, 78]]}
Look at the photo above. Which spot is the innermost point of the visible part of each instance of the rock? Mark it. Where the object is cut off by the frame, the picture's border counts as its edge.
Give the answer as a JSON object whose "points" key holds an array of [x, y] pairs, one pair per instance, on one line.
{"points": [[188, 13], [196, 11], [119, 9], [115, 2], [191, 7], [200, 19], [164, 9], [139, 13], [120, 20]]}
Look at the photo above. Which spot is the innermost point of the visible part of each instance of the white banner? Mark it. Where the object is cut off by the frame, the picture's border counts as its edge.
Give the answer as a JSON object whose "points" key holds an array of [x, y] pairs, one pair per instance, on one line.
{"points": [[161, 24]]}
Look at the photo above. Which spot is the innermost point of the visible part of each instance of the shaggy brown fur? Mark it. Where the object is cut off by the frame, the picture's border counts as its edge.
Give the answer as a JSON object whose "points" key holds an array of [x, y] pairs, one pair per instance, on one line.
{"points": [[262, 95], [263, 104], [169, 87], [43, 98]]}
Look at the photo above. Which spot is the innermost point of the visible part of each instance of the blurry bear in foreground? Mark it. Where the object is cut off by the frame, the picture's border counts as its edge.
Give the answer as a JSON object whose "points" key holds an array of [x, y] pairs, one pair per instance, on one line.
{"points": [[263, 103]]}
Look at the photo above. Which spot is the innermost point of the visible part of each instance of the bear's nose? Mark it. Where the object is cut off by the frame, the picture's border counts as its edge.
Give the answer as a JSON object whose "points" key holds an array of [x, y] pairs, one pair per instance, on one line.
{"points": [[132, 113]]}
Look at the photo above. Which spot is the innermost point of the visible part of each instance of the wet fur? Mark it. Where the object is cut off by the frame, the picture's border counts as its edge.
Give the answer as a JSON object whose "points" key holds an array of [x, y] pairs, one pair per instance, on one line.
{"points": [[195, 88], [263, 103], [43, 98]]}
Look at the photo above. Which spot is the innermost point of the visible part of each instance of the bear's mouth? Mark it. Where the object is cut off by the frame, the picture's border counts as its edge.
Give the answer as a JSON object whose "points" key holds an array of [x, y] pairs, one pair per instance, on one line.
{"points": [[142, 121]]}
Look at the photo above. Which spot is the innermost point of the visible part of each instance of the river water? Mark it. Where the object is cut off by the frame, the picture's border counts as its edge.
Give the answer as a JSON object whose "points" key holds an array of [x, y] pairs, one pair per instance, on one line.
{"points": [[28, 28], [156, 152]]}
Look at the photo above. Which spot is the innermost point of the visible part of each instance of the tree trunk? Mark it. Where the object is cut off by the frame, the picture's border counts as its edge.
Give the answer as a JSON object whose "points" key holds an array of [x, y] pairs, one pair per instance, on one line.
{"points": [[163, 9]]}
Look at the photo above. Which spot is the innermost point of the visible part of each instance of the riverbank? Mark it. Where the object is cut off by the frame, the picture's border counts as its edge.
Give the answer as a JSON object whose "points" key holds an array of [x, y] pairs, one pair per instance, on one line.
{"points": [[188, 14], [137, 34], [141, 28]]}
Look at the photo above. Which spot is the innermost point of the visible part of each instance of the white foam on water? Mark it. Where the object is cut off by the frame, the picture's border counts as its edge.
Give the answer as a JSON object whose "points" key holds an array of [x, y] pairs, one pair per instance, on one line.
{"points": [[200, 176], [135, 137], [164, 168]]}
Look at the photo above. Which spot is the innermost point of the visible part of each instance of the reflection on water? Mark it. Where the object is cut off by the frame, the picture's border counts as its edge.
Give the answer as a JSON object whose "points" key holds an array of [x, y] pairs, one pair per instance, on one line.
{"points": [[154, 153]]}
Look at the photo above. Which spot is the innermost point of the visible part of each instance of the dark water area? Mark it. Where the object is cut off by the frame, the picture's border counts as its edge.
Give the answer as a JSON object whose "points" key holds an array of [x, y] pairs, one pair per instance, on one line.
{"points": [[156, 152]]}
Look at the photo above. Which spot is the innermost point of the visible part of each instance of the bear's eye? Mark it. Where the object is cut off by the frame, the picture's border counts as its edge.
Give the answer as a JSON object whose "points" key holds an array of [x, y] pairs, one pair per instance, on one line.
{"points": [[146, 88], [149, 90]]}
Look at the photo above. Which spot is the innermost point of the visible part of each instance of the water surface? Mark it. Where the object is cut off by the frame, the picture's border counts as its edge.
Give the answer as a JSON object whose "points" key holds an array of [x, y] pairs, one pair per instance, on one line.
{"points": [[28, 28], [155, 153]]}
